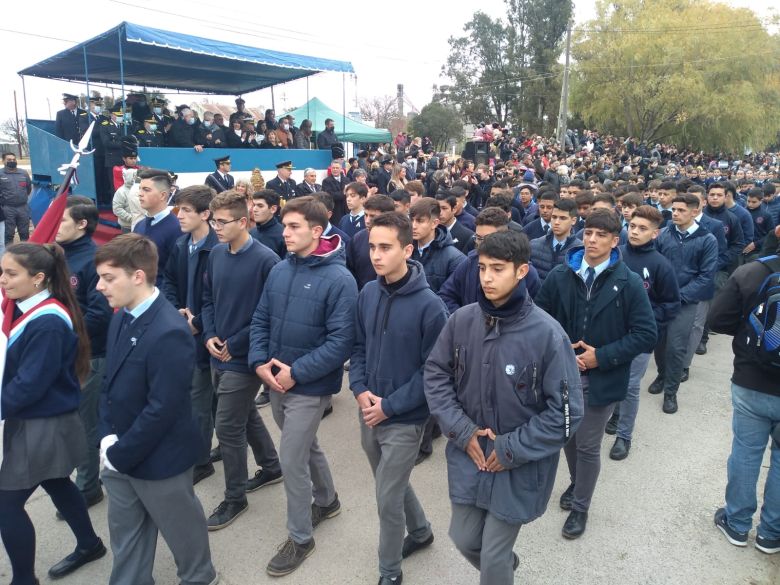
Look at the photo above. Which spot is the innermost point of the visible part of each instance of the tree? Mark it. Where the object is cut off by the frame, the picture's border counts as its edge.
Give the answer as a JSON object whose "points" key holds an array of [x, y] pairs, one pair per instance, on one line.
{"points": [[690, 71], [507, 71], [439, 123], [381, 110], [18, 133]]}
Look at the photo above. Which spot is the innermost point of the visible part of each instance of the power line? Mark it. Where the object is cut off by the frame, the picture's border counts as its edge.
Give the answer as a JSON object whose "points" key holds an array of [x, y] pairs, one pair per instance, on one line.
{"points": [[29, 34]]}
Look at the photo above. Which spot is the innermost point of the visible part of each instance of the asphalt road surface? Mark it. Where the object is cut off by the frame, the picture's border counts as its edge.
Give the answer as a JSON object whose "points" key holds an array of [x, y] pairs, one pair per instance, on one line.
{"points": [[650, 520]]}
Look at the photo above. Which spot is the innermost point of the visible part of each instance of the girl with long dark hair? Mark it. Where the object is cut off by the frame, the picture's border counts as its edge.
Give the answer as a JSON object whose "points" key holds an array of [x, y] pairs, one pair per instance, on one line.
{"points": [[43, 437]]}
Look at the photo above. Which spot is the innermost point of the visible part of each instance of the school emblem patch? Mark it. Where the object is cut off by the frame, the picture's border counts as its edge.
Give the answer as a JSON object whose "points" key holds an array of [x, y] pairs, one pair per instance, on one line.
{"points": [[74, 281]]}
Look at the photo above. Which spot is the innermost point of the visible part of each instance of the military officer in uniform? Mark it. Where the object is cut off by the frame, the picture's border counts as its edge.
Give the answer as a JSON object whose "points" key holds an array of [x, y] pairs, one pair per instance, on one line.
{"points": [[149, 135], [72, 121], [111, 139], [96, 115], [163, 118], [221, 180], [282, 183]]}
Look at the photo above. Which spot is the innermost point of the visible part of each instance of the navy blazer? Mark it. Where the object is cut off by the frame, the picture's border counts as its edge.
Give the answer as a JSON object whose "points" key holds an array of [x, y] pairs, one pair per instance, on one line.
{"points": [[145, 399], [216, 182]]}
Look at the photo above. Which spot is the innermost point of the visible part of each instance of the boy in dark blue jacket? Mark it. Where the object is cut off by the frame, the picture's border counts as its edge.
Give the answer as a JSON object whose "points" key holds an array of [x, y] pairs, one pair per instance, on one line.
{"points": [[358, 257], [386, 377], [302, 333], [762, 223], [236, 274], [79, 222], [693, 251], [149, 439], [355, 220], [604, 309], [183, 287], [657, 274], [268, 230]]}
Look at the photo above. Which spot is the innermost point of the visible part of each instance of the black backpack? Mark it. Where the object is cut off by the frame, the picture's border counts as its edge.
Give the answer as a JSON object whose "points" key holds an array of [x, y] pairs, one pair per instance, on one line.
{"points": [[763, 332]]}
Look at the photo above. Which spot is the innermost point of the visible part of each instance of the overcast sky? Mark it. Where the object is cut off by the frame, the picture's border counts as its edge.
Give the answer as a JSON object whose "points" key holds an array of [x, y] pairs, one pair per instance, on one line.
{"points": [[389, 43]]}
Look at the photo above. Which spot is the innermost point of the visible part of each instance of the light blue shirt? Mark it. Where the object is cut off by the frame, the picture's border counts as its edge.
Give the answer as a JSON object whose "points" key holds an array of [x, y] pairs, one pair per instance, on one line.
{"points": [[555, 242], [157, 218], [692, 228], [144, 306], [28, 304], [583, 271]]}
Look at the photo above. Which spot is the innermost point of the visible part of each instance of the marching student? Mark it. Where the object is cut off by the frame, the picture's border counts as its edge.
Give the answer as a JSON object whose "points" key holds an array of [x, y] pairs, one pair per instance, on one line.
{"points": [[75, 236], [268, 229], [693, 252], [160, 225], [149, 439], [605, 311], [358, 256], [354, 221], [433, 246], [549, 251], [183, 287], [660, 282], [47, 354], [762, 224], [236, 273], [386, 377], [301, 361], [504, 438]]}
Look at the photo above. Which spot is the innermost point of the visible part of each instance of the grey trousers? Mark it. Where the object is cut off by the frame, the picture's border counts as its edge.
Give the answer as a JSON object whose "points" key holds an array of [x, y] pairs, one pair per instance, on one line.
{"points": [[670, 351], [583, 452], [486, 542], [391, 450], [16, 219], [202, 395], [629, 408], [138, 509], [87, 476], [306, 471], [238, 423], [696, 331]]}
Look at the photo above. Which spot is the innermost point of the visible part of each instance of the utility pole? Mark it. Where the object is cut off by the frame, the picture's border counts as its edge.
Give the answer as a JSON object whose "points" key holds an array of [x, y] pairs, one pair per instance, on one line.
{"points": [[18, 128], [400, 99], [563, 112]]}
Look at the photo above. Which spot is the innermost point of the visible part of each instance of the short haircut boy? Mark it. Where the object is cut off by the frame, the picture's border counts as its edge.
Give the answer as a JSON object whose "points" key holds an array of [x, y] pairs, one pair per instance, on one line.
{"points": [[312, 209], [649, 213], [567, 205], [498, 201], [584, 198], [448, 198], [381, 203], [400, 222], [325, 198], [632, 200], [507, 245], [401, 196], [160, 178], [360, 189], [492, 216], [270, 197], [690, 200], [232, 201], [425, 207], [603, 219], [415, 187], [607, 198], [130, 252], [198, 197], [83, 208], [755, 193]]}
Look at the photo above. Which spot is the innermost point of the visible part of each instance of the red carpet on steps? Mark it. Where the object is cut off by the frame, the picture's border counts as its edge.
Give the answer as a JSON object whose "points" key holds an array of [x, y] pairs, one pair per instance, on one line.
{"points": [[107, 228]]}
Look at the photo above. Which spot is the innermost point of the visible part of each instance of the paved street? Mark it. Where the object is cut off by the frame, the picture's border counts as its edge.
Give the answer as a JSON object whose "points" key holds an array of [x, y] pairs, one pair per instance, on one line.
{"points": [[650, 521]]}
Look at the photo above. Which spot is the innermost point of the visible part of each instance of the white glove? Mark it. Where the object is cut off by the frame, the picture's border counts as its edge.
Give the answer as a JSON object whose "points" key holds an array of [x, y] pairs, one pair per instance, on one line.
{"points": [[105, 443]]}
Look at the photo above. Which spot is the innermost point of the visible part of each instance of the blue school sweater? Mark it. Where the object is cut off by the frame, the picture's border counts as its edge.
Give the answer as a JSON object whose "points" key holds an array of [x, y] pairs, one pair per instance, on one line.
{"points": [[164, 234]]}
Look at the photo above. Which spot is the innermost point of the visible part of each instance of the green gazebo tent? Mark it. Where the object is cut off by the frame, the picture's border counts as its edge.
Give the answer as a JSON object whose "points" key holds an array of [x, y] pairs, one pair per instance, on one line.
{"points": [[347, 129]]}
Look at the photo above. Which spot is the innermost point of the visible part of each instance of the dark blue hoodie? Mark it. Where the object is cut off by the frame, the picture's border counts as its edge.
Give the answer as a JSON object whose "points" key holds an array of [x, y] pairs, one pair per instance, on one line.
{"points": [[394, 334], [80, 255]]}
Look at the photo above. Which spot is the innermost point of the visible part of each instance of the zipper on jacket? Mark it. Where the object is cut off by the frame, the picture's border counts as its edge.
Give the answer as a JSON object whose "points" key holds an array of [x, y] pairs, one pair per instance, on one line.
{"points": [[533, 384]]}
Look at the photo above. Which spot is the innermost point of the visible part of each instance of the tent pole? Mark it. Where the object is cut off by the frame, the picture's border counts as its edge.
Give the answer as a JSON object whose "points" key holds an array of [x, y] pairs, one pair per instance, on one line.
{"points": [[273, 100], [122, 77], [308, 113], [86, 74], [343, 103], [24, 97]]}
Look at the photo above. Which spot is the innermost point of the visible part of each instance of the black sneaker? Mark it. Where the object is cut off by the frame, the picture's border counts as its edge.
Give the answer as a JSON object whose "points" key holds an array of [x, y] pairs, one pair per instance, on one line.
{"points": [[686, 373], [320, 513], [201, 472], [289, 557], [328, 411], [215, 454], [620, 449], [612, 424], [263, 478], [702, 348], [391, 580], [656, 387], [734, 537], [670, 404], [567, 497], [411, 545], [769, 546], [262, 400], [224, 514]]}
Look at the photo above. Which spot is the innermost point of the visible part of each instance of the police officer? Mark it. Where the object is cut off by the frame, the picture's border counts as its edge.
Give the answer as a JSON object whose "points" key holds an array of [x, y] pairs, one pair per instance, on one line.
{"points": [[72, 121], [282, 183], [149, 134]]}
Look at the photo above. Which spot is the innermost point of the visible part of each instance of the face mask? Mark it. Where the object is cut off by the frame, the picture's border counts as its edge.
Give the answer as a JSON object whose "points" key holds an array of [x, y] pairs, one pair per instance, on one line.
{"points": [[237, 132], [11, 164], [286, 126], [158, 111], [152, 127], [98, 110], [207, 124], [191, 121]]}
